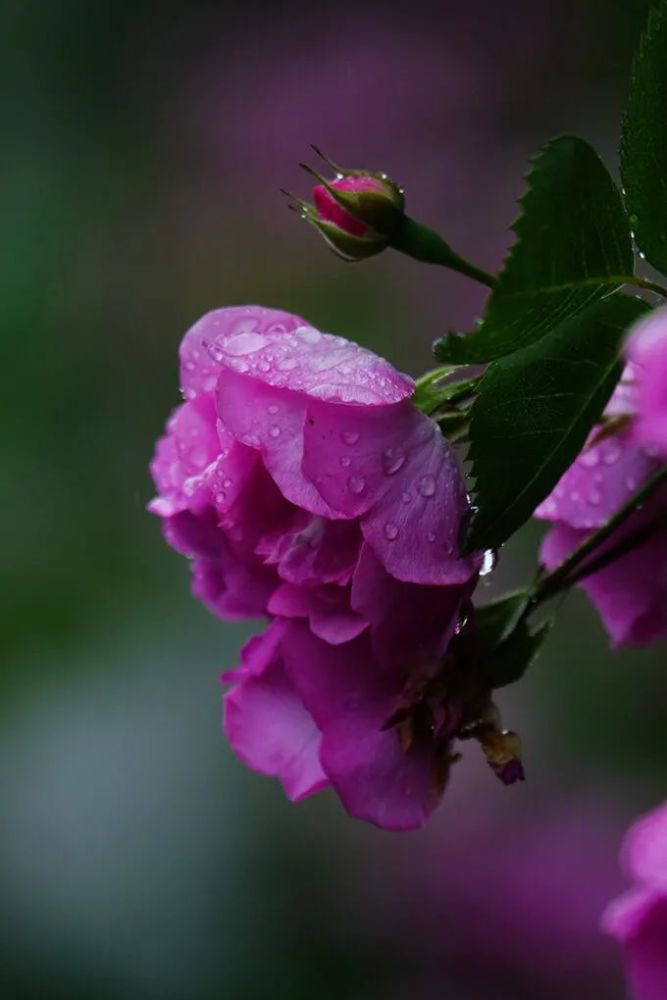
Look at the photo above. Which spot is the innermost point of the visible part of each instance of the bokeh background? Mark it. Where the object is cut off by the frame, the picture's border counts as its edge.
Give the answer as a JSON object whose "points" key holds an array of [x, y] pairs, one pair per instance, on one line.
{"points": [[143, 148]]}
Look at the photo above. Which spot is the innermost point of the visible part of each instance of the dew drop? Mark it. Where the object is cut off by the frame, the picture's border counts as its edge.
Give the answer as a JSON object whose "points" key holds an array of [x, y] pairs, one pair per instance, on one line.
{"points": [[594, 497], [245, 343], [287, 364], [272, 409], [426, 485], [489, 560], [406, 498], [226, 483], [349, 437], [590, 458], [274, 431], [391, 531], [631, 483], [220, 497], [345, 461], [308, 334], [356, 484], [393, 459], [612, 454]]}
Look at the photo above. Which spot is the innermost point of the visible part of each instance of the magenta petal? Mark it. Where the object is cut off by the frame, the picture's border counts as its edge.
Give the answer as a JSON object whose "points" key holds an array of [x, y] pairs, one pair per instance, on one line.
{"points": [[183, 455], [645, 849], [392, 467], [199, 369], [376, 779], [351, 697], [314, 550], [629, 595], [639, 921], [284, 352], [326, 607], [411, 623], [270, 420], [602, 479], [647, 348], [272, 732]]}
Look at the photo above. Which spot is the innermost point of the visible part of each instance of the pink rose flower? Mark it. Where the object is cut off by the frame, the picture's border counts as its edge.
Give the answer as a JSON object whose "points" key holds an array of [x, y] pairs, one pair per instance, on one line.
{"points": [[638, 919], [631, 593], [647, 349], [305, 486]]}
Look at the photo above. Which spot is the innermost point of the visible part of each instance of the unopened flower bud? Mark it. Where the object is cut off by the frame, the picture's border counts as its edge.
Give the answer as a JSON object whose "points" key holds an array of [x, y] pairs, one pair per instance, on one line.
{"points": [[357, 212]]}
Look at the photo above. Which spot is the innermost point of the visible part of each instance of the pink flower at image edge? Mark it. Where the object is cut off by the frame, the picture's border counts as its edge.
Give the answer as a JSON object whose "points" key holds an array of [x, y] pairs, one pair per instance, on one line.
{"points": [[305, 487], [638, 919]]}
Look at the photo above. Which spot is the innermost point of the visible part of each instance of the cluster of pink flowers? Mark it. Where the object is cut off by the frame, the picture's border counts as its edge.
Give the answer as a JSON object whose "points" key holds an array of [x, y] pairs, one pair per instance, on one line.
{"points": [[638, 919], [306, 487], [621, 455]]}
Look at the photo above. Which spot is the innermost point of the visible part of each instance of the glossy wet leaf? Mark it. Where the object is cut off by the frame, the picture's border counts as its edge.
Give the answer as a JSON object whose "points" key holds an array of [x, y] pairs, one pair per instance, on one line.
{"points": [[644, 141], [573, 246], [534, 411]]}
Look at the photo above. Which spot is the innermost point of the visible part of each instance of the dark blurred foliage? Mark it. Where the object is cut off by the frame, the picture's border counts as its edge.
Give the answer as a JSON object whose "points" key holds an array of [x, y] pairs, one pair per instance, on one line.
{"points": [[143, 148]]}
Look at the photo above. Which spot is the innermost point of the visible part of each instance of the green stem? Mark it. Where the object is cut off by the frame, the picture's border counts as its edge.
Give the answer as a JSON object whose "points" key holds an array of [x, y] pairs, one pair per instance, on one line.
{"points": [[424, 244], [571, 570], [652, 286]]}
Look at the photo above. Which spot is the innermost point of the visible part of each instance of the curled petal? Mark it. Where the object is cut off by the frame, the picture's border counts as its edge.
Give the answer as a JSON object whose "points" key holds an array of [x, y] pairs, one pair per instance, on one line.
{"points": [[272, 732]]}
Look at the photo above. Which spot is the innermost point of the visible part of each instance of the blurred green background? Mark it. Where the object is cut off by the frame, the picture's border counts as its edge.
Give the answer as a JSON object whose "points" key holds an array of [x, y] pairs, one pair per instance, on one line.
{"points": [[144, 146]]}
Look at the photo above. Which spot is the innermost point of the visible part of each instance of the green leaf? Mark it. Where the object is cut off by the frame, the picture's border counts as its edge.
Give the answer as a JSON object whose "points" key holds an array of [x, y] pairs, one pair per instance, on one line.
{"points": [[644, 141], [533, 413], [501, 644], [509, 662], [573, 246]]}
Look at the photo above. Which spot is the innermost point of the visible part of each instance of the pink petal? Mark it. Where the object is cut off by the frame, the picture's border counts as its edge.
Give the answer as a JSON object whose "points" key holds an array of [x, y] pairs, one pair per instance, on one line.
{"points": [[183, 455], [629, 595], [392, 467], [326, 607], [647, 348], [315, 551], [286, 353], [411, 623], [645, 849], [270, 420], [270, 730], [351, 697], [639, 921], [602, 479]]}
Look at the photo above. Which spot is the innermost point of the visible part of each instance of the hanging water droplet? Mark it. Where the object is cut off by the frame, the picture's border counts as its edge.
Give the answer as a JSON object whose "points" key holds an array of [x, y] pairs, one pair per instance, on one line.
{"points": [[349, 437], [356, 484], [393, 459], [489, 560], [426, 485], [391, 531]]}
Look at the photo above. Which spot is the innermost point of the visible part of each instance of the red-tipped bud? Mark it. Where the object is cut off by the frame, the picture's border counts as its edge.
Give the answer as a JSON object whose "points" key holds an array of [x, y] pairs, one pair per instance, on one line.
{"points": [[357, 212]]}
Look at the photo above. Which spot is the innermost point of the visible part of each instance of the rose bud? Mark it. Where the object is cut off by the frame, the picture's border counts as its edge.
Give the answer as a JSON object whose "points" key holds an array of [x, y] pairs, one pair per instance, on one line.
{"points": [[357, 212]]}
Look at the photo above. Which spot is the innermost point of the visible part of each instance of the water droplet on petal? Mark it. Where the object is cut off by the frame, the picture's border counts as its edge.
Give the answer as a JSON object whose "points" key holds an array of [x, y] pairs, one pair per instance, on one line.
{"points": [[345, 461], [431, 536], [245, 343], [220, 497], [349, 437], [272, 409], [274, 431], [308, 334], [612, 453], [356, 484], [406, 498], [287, 364], [391, 531], [393, 459], [590, 458], [594, 497], [426, 485]]}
